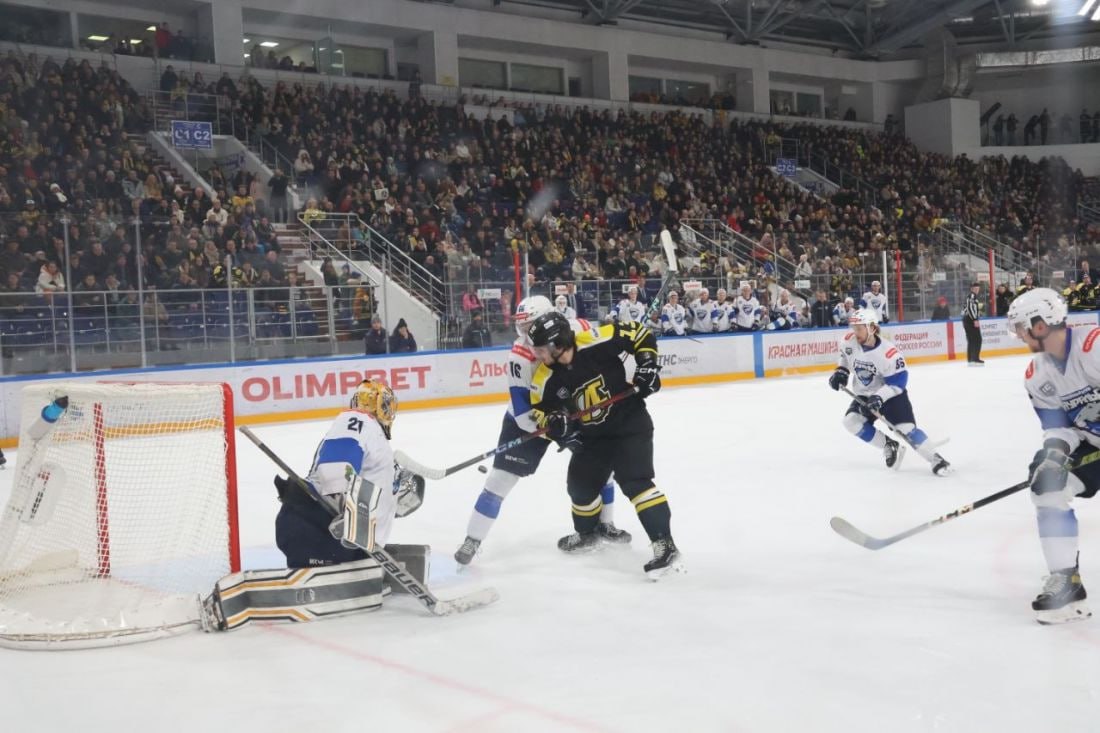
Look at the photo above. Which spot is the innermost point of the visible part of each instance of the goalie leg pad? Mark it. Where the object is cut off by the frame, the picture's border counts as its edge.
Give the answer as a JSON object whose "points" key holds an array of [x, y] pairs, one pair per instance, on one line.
{"points": [[415, 559], [293, 594]]}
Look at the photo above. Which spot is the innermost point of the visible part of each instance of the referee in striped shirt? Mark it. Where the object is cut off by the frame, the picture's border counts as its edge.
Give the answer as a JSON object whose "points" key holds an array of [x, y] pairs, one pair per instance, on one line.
{"points": [[971, 312]]}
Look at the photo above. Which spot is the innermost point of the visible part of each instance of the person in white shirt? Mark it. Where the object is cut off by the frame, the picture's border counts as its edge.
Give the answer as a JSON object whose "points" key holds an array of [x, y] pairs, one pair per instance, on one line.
{"points": [[673, 316], [747, 309], [701, 311], [629, 309], [875, 299], [561, 305], [843, 312]]}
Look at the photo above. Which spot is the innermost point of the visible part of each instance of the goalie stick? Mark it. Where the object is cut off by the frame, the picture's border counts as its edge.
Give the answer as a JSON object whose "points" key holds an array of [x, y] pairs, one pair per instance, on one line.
{"points": [[406, 461], [437, 606]]}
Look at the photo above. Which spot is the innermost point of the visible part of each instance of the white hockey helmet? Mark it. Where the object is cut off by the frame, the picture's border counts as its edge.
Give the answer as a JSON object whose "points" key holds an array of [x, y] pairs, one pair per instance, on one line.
{"points": [[863, 317], [560, 301], [529, 309], [1042, 303]]}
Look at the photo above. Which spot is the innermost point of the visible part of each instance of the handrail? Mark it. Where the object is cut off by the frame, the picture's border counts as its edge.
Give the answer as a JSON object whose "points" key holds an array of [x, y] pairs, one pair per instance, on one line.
{"points": [[1090, 214], [197, 106], [380, 252], [728, 241]]}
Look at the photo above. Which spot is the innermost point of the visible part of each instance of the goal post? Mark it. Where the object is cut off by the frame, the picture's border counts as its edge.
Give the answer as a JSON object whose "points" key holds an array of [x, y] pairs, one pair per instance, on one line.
{"points": [[122, 516]]}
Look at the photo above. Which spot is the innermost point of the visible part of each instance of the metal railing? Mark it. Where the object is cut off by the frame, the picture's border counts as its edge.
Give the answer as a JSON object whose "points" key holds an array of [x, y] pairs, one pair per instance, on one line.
{"points": [[1088, 214], [701, 235], [355, 240], [97, 329], [193, 107]]}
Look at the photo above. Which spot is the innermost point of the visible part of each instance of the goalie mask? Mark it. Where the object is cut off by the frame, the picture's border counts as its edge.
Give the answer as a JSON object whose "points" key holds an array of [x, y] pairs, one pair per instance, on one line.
{"points": [[377, 400]]}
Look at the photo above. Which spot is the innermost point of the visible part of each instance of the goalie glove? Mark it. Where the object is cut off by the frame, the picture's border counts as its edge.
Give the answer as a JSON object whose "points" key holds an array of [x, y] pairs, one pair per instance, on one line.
{"points": [[408, 490]]}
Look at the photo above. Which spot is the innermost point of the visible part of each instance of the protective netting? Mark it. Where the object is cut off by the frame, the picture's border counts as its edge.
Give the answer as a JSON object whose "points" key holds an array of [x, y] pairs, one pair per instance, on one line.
{"points": [[121, 515]]}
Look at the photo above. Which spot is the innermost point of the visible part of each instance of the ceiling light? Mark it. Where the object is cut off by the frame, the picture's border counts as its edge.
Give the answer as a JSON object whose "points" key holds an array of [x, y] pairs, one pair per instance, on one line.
{"points": [[151, 28], [97, 39], [1086, 8], [247, 40], [269, 44], [1040, 3], [135, 41], [247, 55]]}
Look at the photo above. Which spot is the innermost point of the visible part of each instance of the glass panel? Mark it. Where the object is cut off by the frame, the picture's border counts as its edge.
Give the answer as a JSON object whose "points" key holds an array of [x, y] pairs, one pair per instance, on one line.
{"points": [[480, 73], [544, 79], [687, 91]]}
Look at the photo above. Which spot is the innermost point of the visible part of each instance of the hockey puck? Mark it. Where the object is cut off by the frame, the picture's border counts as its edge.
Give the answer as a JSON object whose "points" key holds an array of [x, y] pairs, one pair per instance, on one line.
{"points": [[483, 469]]}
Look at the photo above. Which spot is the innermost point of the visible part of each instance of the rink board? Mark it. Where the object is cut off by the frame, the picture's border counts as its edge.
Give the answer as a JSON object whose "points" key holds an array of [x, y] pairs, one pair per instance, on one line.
{"points": [[305, 389]]}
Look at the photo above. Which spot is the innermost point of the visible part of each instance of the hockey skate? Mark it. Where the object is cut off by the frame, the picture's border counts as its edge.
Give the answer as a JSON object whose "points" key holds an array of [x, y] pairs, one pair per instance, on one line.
{"points": [[610, 533], [940, 466], [665, 558], [1062, 598], [892, 453], [466, 552], [580, 542]]}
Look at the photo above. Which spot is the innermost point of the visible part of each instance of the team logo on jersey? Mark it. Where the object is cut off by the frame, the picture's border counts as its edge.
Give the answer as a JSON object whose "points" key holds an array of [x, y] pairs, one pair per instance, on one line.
{"points": [[1086, 410], [563, 393], [865, 373], [1048, 389], [593, 392]]}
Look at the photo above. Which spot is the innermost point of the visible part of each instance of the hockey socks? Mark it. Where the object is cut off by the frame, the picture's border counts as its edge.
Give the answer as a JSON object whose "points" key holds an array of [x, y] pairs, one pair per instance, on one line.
{"points": [[1058, 536], [653, 513], [497, 486]]}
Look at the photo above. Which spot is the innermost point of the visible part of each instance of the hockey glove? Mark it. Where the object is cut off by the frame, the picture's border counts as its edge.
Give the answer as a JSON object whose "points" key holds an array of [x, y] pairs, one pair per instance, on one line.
{"points": [[1049, 469], [873, 403], [647, 377], [561, 430], [839, 378], [408, 490]]}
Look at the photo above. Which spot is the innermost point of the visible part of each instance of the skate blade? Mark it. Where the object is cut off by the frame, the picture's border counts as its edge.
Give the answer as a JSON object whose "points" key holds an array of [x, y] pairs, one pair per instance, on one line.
{"points": [[618, 542], [1076, 611], [944, 470], [898, 459], [658, 573]]}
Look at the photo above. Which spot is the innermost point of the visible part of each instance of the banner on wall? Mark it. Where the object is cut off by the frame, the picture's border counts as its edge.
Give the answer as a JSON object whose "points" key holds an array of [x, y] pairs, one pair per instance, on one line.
{"points": [[431, 379]]}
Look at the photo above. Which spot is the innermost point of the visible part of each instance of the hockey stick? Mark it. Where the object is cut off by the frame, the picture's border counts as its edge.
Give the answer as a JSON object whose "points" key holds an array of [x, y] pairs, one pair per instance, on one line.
{"points": [[933, 444], [406, 461], [845, 529], [437, 606]]}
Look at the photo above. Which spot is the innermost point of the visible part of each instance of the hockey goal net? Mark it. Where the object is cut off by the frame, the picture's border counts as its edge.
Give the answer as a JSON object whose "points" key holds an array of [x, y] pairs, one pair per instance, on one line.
{"points": [[122, 513]]}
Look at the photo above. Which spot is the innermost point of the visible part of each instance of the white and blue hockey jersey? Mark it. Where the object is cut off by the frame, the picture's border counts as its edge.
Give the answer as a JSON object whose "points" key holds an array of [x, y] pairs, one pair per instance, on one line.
{"points": [[748, 311], [702, 312], [566, 311], [356, 446], [876, 302], [723, 315], [628, 311], [673, 319], [841, 314], [522, 364], [878, 370], [1065, 392]]}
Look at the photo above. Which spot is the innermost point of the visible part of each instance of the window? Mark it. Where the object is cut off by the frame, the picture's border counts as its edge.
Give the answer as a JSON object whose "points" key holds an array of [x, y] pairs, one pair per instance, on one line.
{"points": [[687, 91], [645, 86], [480, 73], [544, 79]]}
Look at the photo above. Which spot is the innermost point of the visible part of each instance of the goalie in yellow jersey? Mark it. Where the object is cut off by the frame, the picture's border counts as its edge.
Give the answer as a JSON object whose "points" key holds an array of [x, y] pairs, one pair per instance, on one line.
{"points": [[576, 372]]}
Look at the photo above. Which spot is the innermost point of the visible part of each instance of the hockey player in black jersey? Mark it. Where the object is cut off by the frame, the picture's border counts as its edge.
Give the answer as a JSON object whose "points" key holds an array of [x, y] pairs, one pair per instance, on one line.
{"points": [[581, 370]]}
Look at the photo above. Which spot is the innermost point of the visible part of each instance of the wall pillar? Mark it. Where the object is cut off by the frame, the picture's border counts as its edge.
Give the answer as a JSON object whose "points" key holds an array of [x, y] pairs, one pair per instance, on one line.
{"points": [[611, 76], [437, 57]]}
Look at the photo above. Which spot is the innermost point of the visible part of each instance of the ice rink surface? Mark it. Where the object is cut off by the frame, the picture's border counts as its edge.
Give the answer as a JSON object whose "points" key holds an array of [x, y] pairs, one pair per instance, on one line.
{"points": [[779, 624]]}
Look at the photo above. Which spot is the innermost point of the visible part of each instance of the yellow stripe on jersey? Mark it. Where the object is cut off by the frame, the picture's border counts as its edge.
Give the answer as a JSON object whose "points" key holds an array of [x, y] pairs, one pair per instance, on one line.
{"points": [[589, 510]]}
